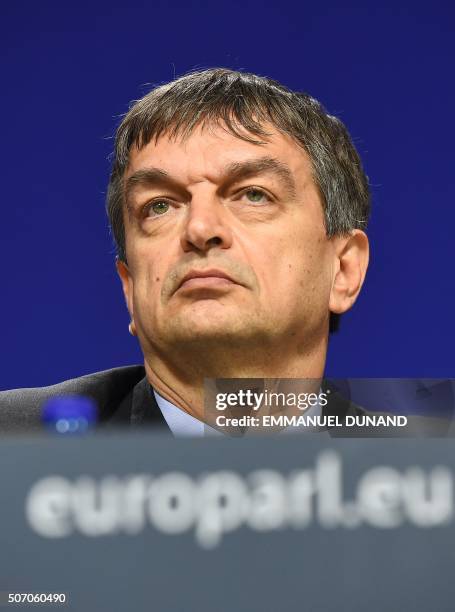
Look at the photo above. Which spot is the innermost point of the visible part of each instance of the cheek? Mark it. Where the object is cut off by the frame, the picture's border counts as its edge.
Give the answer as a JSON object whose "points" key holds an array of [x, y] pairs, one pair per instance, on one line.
{"points": [[148, 280], [305, 268]]}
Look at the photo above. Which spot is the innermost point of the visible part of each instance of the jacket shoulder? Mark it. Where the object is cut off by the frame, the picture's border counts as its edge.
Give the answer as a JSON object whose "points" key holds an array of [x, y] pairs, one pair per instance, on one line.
{"points": [[20, 409]]}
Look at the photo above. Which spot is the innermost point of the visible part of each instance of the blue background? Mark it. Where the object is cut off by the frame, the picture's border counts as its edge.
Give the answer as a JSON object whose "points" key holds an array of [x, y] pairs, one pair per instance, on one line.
{"points": [[69, 71]]}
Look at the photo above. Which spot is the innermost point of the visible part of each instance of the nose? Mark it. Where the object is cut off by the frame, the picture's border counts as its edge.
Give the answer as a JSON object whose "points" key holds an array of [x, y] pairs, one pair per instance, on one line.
{"points": [[206, 226]]}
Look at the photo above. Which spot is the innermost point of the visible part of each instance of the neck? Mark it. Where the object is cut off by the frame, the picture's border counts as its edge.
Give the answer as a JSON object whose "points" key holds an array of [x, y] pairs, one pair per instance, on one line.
{"points": [[179, 378]]}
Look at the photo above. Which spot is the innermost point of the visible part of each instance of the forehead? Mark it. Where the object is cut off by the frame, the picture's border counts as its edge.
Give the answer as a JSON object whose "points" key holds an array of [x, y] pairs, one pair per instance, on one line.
{"points": [[209, 149]]}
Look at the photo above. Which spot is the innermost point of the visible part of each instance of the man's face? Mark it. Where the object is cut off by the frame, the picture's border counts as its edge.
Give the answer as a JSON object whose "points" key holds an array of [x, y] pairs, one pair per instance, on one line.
{"points": [[249, 217]]}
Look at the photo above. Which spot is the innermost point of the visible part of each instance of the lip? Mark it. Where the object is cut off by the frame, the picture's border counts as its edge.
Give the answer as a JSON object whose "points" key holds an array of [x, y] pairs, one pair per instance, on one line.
{"points": [[195, 278]]}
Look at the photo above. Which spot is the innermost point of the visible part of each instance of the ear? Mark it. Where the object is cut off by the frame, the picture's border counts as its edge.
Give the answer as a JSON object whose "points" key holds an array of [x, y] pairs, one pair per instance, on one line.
{"points": [[351, 261], [127, 285]]}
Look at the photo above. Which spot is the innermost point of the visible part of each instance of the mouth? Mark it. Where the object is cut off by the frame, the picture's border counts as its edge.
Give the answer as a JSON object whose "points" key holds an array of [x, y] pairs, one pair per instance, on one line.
{"points": [[205, 279]]}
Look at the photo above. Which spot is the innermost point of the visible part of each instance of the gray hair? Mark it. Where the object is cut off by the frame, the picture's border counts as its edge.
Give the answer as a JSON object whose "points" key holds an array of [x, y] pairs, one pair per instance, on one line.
{"points": [[243, 103]]}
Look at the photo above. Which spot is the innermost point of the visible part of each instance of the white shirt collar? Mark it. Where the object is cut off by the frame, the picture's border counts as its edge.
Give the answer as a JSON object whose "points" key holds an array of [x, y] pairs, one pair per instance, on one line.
{"points": [[180, 422], [183, 424]]}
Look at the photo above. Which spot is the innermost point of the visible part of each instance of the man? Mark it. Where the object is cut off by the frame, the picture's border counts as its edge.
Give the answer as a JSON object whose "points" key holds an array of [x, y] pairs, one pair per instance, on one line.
{"points": [[238, 208]]}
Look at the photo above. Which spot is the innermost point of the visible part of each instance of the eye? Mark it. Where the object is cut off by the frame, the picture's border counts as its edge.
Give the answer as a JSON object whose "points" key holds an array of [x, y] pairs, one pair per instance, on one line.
{"points": [[156, 208], [256, 196]]}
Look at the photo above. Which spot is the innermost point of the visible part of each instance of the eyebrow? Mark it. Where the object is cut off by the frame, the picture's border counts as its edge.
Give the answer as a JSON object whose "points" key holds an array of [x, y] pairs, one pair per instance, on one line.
{"points": [[145, 177], [238, 171], [233, 172]]}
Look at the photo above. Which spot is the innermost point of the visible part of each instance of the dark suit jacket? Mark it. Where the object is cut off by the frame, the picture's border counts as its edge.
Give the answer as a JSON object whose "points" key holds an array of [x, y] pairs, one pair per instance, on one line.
{"points": [[125, 398]]}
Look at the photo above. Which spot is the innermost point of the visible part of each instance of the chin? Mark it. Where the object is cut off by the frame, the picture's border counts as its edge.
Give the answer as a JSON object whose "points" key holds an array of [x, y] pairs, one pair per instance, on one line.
{"points": [[208, 313], [206, 324], [205, 327]]}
